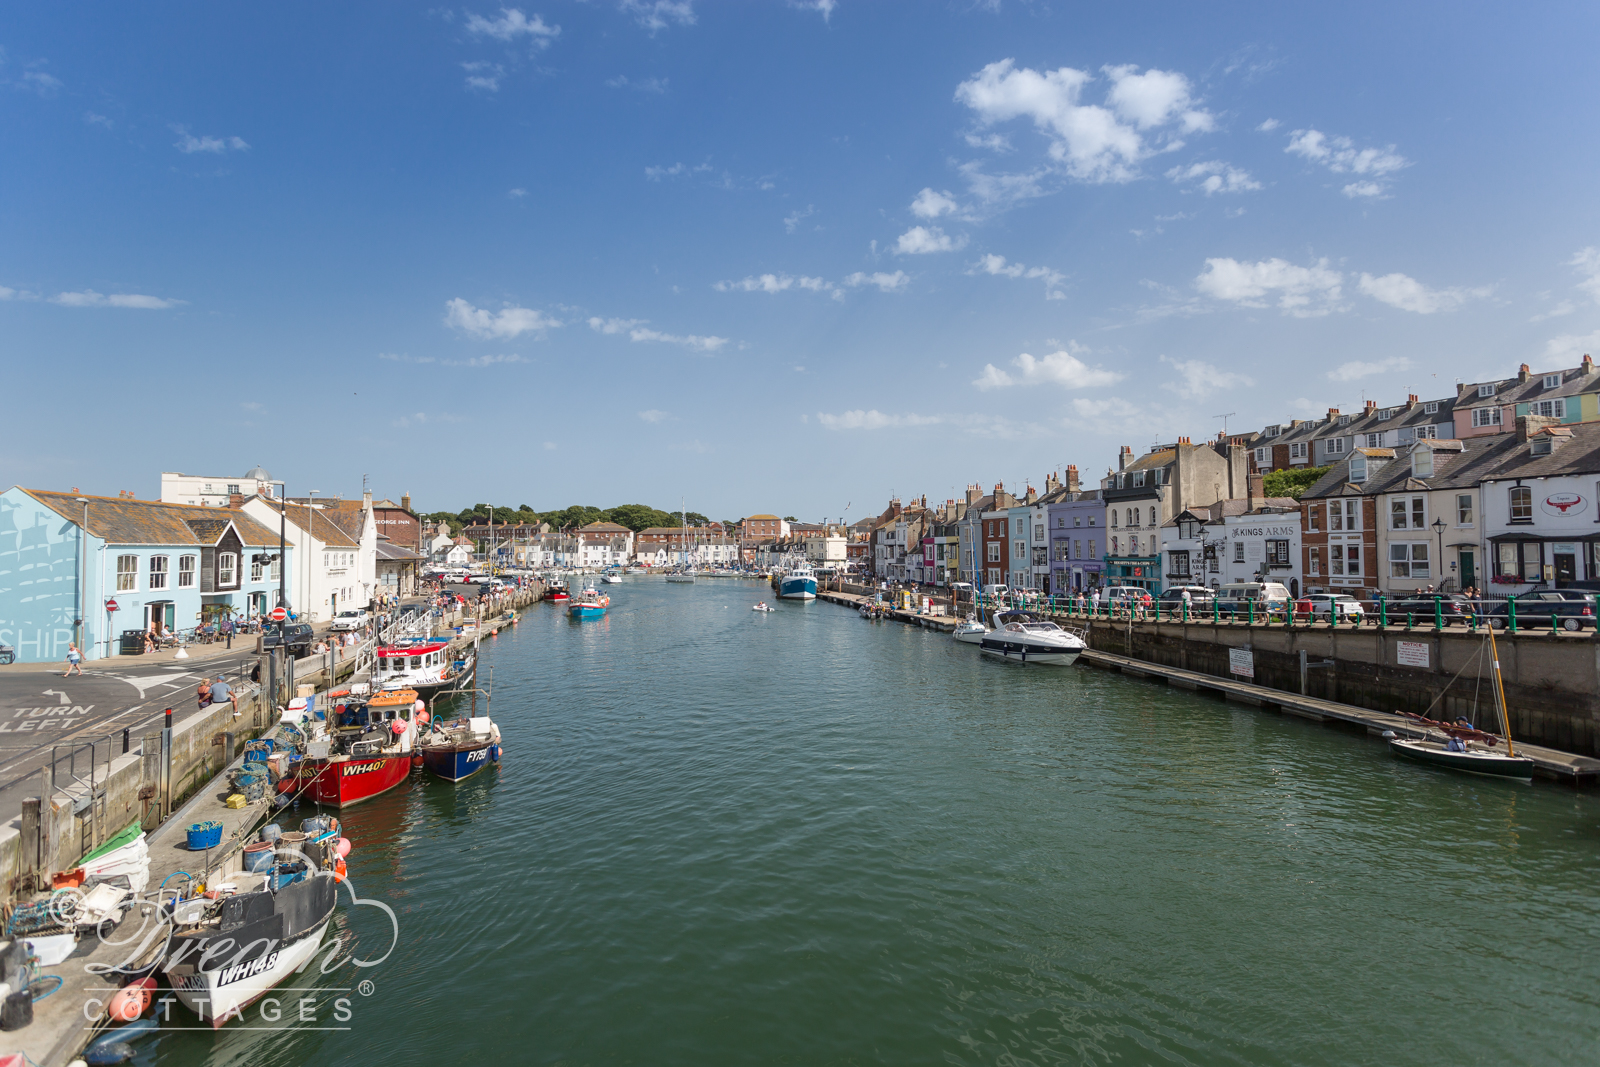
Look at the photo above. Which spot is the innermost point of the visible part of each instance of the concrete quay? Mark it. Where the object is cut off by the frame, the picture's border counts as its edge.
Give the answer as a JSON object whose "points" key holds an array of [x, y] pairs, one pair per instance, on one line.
{"points": [[942, 623]]}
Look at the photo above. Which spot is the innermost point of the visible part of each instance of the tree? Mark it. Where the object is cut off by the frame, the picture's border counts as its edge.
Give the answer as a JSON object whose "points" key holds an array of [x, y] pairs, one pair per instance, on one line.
{"points": [[790, 518], [1292, 483], [694, 518]]}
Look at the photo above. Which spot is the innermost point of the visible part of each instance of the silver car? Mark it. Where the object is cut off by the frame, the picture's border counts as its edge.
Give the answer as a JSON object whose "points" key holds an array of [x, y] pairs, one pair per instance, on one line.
{"points": [[1340, 606]]}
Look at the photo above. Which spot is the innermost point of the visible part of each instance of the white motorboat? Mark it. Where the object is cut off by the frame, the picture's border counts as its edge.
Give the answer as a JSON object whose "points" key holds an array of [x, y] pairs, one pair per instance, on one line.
{"points": [[970, 631], [611, 578], [1026, 638]]}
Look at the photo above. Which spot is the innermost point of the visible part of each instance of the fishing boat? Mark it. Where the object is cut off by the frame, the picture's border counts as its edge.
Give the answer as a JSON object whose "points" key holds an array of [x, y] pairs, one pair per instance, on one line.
{"points": [[429, 667], [360, 750], [590, 604], [1026, 638], [970, 631], [1459, 745], [458, 749], [797, 583], [239, 948]]}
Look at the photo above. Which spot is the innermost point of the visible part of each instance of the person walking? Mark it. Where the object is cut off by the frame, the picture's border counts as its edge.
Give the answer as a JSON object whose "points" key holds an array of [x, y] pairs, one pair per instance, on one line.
{"points": [[74, 661]]}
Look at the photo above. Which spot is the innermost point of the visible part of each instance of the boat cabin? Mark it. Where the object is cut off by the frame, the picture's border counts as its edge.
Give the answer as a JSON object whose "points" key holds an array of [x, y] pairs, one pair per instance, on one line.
{"points": [[412, 658]]}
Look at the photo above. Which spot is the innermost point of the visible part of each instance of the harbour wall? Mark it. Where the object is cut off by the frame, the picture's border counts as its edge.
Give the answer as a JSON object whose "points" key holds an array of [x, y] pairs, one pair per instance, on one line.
{"points": [[1551, 682]]}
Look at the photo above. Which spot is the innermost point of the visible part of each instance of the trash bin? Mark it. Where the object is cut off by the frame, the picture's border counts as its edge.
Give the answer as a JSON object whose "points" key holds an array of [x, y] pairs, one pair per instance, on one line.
{"points": [[132, 643], [7, 654]]}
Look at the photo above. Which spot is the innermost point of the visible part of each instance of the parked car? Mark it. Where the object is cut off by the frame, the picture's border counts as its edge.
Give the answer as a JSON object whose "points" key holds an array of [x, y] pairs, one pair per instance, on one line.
{"points": [[1340, 607], [1269, 598], [1452, 607], [1123, 595], [1199, 597], [297, 638], [1571, 609], [351, 620]]}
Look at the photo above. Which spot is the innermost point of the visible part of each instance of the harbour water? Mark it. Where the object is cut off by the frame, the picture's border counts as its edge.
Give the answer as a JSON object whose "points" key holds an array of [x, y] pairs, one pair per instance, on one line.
{"points": [[721, 836]]}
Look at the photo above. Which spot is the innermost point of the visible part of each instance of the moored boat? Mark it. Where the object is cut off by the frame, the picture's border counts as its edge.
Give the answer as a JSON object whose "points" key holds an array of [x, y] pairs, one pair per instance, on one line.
{"points": [[970, 631], [461, 748], [361, 750], [1461, 746], [797, 583], [1026, 638], [429, 667], [590, 604]]}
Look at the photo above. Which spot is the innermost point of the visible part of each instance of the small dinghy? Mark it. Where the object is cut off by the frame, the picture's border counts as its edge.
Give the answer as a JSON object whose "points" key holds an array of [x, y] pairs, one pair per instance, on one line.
{"points": [[1461, 746], [763, 607], [970, 631]]}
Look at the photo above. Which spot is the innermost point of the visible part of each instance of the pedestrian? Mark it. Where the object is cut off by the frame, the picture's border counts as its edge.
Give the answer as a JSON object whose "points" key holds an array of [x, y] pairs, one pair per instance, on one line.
{"points": [[74, 661], [220, 691], [227, 631]]}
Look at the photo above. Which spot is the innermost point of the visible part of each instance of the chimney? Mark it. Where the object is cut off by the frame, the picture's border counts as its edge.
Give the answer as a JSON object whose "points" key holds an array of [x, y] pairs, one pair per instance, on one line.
{"points": [[1124, 457], [1531, 424], [1255, 490], [1295, 422], [405, 501], [1030, 496], [1371, 404], [235, 500], [1072, 478], [1183, 441], [974, 494], [1333, 413], [366, 499], [1411, 401], [1523, 373]]}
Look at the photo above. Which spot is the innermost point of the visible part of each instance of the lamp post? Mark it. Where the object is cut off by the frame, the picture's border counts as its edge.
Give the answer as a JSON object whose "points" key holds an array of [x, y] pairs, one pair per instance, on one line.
{"points": [[83, 572], [311, 520], [1438, 528]]}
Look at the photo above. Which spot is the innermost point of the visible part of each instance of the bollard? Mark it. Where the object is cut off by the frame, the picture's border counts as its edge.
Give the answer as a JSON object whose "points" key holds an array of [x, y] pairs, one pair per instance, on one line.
{"points": [[1438, 615], [1251, 618], [1410, 618], [1511, 616], [1383, 612], [125, 740]]}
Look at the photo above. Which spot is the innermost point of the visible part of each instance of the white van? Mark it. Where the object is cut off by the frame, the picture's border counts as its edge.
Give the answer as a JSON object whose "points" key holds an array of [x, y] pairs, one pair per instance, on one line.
{"points": [[1270, 598]]}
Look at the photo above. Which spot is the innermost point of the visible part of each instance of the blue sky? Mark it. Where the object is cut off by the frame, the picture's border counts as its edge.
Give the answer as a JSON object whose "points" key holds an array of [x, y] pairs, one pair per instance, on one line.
{"points": [[791, 257]]}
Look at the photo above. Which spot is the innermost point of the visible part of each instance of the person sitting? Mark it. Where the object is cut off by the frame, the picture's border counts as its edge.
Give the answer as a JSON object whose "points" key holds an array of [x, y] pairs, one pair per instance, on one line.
{"points": [[203, 693], [1455, 745], [1462, 722]]}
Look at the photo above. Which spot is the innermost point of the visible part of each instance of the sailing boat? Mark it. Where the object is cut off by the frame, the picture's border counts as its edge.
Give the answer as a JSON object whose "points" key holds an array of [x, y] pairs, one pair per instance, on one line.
{"points": [[1467, 749], [686, 573]]}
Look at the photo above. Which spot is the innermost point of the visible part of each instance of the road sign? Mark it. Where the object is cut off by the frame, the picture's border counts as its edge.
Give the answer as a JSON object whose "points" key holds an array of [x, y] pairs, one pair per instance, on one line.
{"points": [[111, 605], [278, 614]]}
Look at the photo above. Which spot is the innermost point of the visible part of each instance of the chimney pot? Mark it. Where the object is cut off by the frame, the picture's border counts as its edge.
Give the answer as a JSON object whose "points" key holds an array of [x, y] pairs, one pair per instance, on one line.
{"points": [[1523, 373], [1371, 404], [1411, 401]]}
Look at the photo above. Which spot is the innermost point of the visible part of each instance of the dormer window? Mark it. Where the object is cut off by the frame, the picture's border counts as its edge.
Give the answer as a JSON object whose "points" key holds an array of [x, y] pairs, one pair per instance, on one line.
{"points": [[1273, 431], [1422, 463], [1539, 446], [1138, 479], [1344, 420], [1384, 413], [1551, 381], [1431, 408], [1358, 468], [1486, 390]]}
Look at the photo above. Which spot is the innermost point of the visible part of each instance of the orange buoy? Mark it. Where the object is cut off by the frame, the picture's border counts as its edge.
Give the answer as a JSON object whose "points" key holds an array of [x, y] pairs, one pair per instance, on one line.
{"points": [[339, 869], [131, 1001]]}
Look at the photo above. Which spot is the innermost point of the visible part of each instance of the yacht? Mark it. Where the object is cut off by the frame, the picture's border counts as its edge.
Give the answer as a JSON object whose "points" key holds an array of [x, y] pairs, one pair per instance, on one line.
{"points": [[1025, 637]]}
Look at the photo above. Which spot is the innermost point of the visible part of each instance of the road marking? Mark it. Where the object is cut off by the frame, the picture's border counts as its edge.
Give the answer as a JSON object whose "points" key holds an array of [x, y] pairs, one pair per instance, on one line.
{"points": [[63, 696]]}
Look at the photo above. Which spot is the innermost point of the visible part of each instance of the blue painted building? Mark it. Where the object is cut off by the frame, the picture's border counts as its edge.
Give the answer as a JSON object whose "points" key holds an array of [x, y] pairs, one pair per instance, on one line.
{"points": [[171, 565]]}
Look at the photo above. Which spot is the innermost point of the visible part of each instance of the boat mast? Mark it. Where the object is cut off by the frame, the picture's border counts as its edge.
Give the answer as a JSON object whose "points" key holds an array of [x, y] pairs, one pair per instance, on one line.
{"points": [[1500, 694]]}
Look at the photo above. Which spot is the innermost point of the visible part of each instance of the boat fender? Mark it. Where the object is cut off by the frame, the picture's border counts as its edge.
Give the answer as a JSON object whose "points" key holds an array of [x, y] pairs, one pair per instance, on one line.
{"points": [[130, 1033], [108, 1052], [131, 1001], [338, 870], [417, 761], [1389, 735], [398, 726], [423, 718], [344, 847]]}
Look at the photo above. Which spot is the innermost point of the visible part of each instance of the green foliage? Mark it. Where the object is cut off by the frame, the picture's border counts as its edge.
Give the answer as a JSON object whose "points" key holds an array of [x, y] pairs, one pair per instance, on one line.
{"points": [[790, 518], [634, 516], [1292, 483]]}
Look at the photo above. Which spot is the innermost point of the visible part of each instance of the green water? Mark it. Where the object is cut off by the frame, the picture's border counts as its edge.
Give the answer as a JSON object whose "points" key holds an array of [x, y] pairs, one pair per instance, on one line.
{"points": [[722, 837]]}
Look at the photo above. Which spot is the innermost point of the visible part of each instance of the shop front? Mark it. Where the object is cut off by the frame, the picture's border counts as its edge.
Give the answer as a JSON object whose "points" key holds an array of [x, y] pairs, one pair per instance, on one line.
{"points": [[1142, 571]]}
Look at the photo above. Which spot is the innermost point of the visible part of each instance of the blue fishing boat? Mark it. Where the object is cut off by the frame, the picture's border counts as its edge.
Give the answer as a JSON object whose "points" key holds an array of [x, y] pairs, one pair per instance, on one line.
{"points": [[798, 583], [590, 604], [461, 748]]}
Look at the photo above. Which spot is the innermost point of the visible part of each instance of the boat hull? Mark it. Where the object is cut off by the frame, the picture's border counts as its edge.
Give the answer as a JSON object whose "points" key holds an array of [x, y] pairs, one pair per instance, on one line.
{"points": [[1028, 652], [342, 781], [1492, 764], [797, 588], [971, 637], [455, 763], [585, 611]]}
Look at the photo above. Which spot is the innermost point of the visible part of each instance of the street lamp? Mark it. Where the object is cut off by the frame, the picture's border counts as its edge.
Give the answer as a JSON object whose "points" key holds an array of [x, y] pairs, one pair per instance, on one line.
{"points": [[1438, 528]]}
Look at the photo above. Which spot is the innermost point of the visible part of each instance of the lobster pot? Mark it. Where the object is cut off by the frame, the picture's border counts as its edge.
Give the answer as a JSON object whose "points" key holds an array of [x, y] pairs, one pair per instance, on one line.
{"points": [[204, 835]]}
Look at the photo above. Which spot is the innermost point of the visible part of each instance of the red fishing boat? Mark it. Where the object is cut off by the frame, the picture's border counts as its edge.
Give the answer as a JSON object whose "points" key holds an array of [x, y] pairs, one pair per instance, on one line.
{"points": [[366, 750]]}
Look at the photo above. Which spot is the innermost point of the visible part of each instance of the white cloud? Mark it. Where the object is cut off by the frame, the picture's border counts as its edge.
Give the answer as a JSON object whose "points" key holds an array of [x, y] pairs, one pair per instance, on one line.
{"points": [[1301, 291], [777, 283], [1108, 409], [873, 420], [1091, 142], [40, 82], [1357, 369], [677, 170], [791, 221], [1058, 368], [614, 325], [510, 321], [997, 265], [486, 361], [1565, 307], [1198, 380], [644, 85], [821, 7], [1215, 177], [694, 341], [921, 240], [1587, 264], [1155, 98], [887, 283], [1268, 126], [15, 294], [88, 298], [96, 120], [517, 194], [994, 142], [930, 205], [513, 24], [1340, 155], [1408, 294], [654, 15], [1568, 346], [188, 143], [484, 75], [654, 416]]}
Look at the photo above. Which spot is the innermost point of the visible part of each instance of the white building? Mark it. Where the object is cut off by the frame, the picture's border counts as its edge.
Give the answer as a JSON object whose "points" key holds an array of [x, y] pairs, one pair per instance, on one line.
{"points": [[215, 491], [1233, 541], [333, 569], [1540, 509]]}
